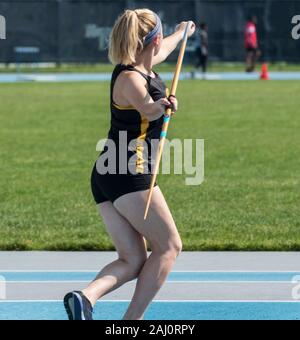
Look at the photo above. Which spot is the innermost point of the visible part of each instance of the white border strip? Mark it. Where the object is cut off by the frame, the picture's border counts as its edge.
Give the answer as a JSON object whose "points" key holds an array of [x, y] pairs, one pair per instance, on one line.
{"points": [[163, 301], [175, 271], [167, 282]]}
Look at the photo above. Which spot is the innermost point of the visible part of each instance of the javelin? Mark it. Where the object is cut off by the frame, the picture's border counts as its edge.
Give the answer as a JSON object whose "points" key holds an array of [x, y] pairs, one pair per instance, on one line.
{"points": [[167, 117]]}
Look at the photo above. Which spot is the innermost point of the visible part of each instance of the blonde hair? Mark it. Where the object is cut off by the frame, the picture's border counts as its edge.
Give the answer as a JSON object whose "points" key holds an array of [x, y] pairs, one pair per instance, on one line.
{"points": [[127, 36]]}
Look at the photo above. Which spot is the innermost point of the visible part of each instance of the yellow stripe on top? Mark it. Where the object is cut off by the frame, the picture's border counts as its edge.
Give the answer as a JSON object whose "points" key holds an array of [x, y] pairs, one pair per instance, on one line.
{"points": [[123, 107], [140, 145]]}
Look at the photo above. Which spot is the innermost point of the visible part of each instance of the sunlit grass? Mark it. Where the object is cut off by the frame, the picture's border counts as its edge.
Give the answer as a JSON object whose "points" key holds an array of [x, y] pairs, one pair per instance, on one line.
{"points": [[250, 197]]}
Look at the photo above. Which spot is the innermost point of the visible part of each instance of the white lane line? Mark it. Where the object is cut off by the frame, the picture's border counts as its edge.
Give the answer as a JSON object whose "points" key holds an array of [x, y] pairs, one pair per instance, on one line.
{"points": [[176, 271], [163, 301], [167, 282]]}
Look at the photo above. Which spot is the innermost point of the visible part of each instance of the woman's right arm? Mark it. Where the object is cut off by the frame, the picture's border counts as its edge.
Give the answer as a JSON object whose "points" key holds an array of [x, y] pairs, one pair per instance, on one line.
{"points": [[135, 92]]}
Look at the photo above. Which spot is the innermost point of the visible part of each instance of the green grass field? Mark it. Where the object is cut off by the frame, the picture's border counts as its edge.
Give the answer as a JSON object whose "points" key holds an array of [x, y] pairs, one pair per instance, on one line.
{"points": [[250, 197]]}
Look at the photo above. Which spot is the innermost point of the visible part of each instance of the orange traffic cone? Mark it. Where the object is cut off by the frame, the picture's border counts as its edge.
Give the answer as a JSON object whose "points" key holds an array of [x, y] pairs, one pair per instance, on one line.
{"points": [[264, 72]]}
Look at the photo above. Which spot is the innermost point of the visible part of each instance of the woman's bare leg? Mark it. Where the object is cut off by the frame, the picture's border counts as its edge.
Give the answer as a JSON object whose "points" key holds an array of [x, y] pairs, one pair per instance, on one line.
{"points": [[131, 249], [161, 232]]}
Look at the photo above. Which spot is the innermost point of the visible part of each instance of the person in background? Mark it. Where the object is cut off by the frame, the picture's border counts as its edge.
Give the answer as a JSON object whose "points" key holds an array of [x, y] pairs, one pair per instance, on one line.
{"points": [[251, 44], [202, 47]]}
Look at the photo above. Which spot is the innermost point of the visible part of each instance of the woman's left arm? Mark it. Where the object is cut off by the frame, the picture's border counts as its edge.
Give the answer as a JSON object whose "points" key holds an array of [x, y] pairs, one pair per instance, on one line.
{"points": [[170, 43]]}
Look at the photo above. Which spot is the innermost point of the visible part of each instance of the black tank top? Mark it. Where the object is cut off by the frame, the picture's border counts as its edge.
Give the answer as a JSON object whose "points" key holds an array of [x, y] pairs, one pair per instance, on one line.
{"points": [[133, 122]]}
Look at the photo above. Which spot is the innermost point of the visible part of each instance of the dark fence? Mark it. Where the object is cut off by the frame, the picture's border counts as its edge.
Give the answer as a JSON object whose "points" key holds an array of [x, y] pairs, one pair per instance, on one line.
{"points": [[77, 31]]}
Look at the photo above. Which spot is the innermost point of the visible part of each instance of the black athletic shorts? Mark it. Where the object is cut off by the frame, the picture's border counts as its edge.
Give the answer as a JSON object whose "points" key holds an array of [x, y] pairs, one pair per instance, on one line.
{"points": [[109, 187], [251, 49]]}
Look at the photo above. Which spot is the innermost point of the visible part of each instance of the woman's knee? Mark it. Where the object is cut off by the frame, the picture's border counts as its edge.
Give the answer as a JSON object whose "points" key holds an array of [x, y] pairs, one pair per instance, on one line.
{"points": [[171, 249], [175, 247], [134, 261]]}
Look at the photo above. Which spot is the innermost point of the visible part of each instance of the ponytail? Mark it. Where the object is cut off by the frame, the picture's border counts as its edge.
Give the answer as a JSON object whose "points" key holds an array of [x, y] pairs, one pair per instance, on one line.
{"points": [[127, 36]]}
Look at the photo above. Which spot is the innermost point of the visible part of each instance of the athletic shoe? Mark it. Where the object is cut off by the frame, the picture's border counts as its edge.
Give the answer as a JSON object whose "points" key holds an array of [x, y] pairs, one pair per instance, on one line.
{"points": [[78, 307]]}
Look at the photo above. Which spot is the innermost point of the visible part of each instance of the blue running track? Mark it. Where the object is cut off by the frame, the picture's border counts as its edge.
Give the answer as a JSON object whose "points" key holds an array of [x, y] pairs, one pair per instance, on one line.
{"points": [[192, 276], [183, 310]]}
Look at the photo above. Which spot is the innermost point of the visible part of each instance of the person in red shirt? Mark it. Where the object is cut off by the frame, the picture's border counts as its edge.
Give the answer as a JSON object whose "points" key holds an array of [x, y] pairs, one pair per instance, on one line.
{"points": [[251, 44]]}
